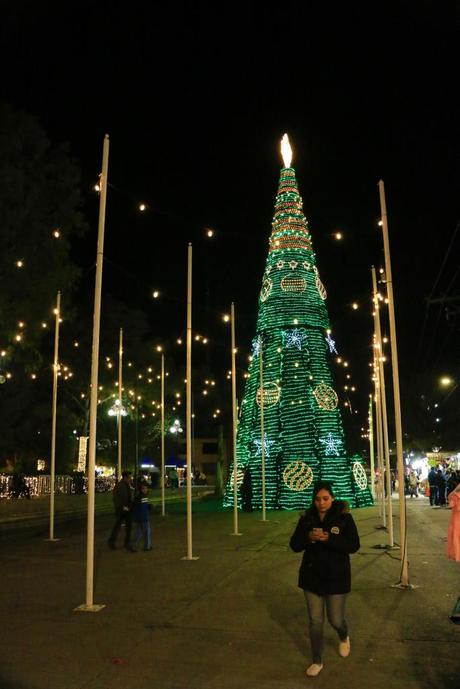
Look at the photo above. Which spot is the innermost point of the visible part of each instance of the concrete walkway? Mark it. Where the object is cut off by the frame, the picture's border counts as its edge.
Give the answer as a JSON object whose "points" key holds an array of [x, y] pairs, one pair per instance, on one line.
{"points": [[233, 619]]}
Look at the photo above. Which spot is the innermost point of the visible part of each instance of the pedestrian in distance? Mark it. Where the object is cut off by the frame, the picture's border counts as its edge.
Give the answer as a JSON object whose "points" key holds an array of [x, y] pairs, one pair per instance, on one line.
{"points": [[406, 485], [452, 480], [413, 485], [122, 502], [433, 484], [173, 478], [441, 483], [246, 491], [141, 517], [327, 535], [393, 482]]}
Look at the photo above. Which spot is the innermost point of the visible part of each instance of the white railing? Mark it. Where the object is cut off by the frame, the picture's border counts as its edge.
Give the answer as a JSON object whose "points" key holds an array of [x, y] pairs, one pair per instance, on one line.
{"points": [[12, 486]]}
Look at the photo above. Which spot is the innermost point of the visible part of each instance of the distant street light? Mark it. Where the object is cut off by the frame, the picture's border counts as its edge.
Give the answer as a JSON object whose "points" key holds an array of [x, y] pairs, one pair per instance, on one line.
{"points": [[446, 381], [117, 409], [176, 427]]}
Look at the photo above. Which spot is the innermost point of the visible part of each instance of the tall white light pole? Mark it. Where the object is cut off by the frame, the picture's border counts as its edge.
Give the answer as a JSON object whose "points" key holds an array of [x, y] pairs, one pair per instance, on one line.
{"points": [[57, 312], [189, 555], [379, 425], [120, 392], [386, 445], [234, 424], [89, 606], [371, 446], [162, 435], [261, 372], [404, 576]]}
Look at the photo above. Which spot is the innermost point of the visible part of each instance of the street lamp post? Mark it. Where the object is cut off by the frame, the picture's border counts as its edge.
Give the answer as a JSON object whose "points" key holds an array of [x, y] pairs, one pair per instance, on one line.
{"points": [[262, 432], [371, 446], [378, 423], [120, 388], [234, 425], [162, 428], [117, 409], [162, 435], [89, 606], [137, 439], [404, 576], [386, 447], [189, 555], [57, 312]]}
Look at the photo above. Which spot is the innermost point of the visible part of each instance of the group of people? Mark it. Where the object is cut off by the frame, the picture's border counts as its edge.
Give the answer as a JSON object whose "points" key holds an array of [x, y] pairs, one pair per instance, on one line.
{"points": [[174, 478], [131, 506], [441, 483]]}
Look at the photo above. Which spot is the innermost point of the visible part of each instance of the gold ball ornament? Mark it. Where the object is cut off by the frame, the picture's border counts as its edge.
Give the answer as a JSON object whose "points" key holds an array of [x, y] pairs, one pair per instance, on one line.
{"points": [[272, 392], [326, 397], [297, 476]]}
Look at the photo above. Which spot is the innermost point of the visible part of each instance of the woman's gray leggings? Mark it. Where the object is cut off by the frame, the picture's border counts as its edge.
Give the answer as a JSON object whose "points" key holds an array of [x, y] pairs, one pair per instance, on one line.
{"points": [[335, 608]]}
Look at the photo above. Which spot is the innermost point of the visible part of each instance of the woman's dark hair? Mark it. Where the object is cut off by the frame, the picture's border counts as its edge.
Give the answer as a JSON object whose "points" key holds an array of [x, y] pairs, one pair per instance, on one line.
{"points": [[321, 485]]}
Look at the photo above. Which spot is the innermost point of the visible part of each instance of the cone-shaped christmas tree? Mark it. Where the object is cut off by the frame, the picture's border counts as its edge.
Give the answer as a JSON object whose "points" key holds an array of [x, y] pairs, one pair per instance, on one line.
{"points": [[303, 439]]}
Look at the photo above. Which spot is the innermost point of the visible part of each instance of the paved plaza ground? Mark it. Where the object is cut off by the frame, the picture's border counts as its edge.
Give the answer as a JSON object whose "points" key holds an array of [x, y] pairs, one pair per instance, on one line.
{"points": [[233, 619]]}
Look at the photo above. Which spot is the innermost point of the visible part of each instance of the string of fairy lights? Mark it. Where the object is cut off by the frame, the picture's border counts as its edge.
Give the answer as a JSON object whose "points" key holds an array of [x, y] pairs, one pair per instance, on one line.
{"points": [[292, 239], [148, 376]]}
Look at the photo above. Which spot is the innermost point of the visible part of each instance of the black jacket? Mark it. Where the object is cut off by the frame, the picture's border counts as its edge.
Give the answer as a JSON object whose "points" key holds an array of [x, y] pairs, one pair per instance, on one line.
{"points": [[325, 567], [433, 477], [122, 496]]}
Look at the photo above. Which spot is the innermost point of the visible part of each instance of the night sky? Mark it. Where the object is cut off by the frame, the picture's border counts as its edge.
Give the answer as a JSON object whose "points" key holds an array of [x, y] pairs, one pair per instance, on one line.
{"points": [[195, 97]]}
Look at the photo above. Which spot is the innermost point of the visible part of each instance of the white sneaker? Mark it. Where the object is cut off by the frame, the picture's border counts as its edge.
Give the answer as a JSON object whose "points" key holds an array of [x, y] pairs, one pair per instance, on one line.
{"points": [[314, 670], [344, 647]]}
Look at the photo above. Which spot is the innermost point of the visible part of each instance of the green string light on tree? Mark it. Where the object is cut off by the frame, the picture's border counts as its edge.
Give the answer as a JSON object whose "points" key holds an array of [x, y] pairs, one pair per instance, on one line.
{"points": [[303, 434]]}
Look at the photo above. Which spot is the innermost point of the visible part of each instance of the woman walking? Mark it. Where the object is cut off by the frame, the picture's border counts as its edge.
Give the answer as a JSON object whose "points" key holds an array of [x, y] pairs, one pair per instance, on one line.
{"points": [[327, 534]]}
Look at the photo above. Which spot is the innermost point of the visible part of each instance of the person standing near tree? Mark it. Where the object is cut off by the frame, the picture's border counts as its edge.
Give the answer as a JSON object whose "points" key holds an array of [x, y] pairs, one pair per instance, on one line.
{"points": [[327, 535], [122, 501], [246, 491]]}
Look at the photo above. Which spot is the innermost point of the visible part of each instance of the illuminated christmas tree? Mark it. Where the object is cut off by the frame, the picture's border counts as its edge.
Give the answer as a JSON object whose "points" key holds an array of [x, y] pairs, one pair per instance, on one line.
{"points": [[303, 438]]}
